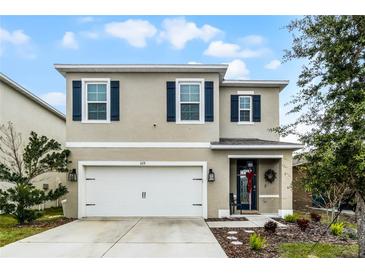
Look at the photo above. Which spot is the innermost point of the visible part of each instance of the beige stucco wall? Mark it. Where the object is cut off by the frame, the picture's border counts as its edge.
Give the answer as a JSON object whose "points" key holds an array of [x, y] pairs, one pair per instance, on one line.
{"points": [[218, 192], [260, 130], [26, 115], [142, 104]]}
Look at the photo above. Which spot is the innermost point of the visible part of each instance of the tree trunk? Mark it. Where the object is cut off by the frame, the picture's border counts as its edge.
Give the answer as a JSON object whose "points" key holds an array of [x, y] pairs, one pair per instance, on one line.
{"points": [[360, 214]]}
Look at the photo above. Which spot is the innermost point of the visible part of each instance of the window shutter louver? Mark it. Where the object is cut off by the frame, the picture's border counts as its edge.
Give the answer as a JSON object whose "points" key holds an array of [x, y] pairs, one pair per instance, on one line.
{"points": [[171, 101], [76, 100], [209, 101], [114, 100], [256, 106], [234, 108]]}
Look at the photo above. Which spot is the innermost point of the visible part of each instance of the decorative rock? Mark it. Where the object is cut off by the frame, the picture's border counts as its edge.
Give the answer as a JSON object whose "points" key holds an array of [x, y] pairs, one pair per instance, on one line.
{"points": [[232, 238], [236, 243], [249, 231], [232, 232]]}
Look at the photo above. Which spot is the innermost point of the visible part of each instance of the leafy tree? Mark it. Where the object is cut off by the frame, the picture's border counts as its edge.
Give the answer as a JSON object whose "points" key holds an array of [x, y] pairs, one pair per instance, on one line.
{"points": [[21, 165], [331, 102]]}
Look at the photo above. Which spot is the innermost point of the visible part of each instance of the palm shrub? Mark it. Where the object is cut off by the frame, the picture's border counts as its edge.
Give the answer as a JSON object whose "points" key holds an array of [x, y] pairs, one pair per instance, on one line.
{"points": [[291, 218], [20, 165], [257, 242], [337, 229]]}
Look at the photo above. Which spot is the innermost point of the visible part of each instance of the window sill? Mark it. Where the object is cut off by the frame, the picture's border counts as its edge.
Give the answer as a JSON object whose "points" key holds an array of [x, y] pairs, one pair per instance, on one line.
{"points": [[190, 122], [95, 122], [245, 123]]}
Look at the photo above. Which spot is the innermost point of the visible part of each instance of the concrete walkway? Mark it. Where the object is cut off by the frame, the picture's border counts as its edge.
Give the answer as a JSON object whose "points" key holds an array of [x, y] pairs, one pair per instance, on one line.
{"points": [[124, 237], [252, 221]]}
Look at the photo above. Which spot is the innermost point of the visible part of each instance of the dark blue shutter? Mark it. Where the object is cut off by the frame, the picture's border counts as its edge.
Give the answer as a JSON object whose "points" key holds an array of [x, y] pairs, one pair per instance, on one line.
{"points": [[171, 101], [209, 101], [76, 100], [256, 105], [114, 100], [234, 108]]}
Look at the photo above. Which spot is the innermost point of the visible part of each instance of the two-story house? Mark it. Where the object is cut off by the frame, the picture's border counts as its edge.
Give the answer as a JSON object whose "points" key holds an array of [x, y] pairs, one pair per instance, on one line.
{"points": [[174, 140]]}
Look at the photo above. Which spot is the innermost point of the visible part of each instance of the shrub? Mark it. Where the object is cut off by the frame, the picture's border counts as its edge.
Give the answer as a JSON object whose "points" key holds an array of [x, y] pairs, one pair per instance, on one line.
{"points": [[337, 229], [303, 224], [257, 242], [350, 233], [315, 217], [291, 218], [270, 226]]}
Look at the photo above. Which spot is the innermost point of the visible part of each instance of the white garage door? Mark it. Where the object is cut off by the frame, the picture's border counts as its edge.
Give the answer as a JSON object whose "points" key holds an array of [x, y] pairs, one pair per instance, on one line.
{"points": [[143, 191]]}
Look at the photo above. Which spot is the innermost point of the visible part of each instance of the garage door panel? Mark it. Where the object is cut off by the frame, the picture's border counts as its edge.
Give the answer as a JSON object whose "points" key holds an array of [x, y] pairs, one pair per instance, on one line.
{"points": [[118, 191]]}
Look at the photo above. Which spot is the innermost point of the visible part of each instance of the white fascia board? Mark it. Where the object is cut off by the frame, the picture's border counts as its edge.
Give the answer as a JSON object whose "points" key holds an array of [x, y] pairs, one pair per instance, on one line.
{"points": [[266, 156], [137, 145], [65, 68], [256, 147]]}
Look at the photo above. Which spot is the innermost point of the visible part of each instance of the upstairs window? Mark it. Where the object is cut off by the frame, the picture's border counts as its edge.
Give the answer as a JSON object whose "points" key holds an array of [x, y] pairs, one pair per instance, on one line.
{"points": [[96, 101], [189, 101], [245, 109]]}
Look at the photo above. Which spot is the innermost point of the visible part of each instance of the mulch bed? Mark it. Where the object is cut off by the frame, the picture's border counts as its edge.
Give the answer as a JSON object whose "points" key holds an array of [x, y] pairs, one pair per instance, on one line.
{"points": [[226, 219], [290, 234], [48, 224]]}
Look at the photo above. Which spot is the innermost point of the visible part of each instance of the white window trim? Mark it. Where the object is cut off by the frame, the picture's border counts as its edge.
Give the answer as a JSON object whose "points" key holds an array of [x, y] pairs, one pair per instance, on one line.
{"points": [[86, 81], [239, 111], [200, 81]]}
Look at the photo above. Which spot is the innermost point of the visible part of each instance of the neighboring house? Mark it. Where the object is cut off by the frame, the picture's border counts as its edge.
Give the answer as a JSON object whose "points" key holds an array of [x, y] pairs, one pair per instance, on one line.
{"points": [[145, 140], [27, 113], [302, 200]]}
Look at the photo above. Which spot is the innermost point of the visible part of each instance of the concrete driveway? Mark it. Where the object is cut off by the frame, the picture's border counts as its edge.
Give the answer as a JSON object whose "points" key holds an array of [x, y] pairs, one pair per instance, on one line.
{"points": [[122, 237]]}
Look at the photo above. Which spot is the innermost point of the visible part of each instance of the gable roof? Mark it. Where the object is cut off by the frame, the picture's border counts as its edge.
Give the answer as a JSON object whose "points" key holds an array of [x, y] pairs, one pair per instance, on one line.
{"points": [[11, 83]]}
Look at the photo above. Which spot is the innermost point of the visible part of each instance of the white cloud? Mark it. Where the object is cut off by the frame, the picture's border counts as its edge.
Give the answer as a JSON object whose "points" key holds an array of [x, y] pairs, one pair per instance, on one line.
{"points": [[135, 32], [16, 37], [57, 99], [69, 40], [86, 19], [253, 40], [18, 41], [178, 32], [237, 69], [222, 49], [90, 34], [273, 64], [193, 63]]}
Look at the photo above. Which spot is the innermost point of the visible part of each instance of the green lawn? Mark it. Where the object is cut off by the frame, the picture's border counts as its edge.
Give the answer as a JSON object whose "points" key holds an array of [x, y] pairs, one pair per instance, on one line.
{"points": [[11, 232], [303, 250]]}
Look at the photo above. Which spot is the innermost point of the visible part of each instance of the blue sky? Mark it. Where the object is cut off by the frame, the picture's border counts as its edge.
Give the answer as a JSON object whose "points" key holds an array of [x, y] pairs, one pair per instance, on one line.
{"points": [[252, 45]]}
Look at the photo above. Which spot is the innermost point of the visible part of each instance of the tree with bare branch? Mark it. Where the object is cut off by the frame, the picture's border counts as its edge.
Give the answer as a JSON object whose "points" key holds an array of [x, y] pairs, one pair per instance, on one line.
{"points": [[21, 164]]}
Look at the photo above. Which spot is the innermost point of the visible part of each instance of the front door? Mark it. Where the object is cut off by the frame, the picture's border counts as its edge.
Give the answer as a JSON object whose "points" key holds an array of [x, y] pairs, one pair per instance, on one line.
{"points": [[246, 192]]}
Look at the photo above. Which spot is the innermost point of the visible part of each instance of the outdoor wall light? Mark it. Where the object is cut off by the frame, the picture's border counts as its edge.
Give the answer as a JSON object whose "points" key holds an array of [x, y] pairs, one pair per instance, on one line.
{"points": [[211, 175], [72, 175]]}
